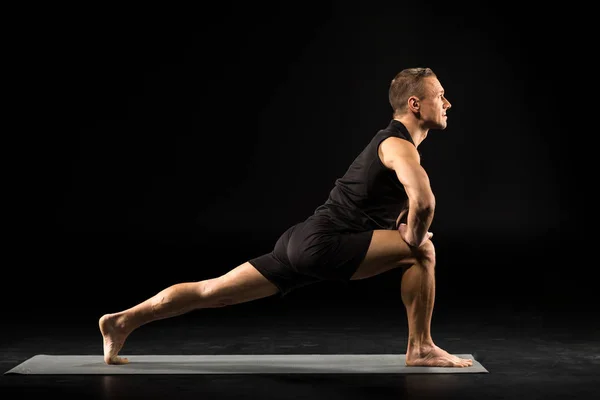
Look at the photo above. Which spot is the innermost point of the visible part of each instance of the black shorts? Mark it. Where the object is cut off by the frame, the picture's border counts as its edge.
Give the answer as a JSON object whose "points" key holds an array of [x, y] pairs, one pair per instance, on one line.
{"points": [[317, 249]]}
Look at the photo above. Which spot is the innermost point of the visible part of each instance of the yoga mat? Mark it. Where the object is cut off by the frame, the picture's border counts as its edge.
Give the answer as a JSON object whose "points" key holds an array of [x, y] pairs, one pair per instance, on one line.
{"points": [[43, 364]]}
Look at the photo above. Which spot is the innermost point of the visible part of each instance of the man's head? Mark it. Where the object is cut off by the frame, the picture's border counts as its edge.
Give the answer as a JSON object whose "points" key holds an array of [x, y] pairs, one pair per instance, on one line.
{"points": [[417, 92]]}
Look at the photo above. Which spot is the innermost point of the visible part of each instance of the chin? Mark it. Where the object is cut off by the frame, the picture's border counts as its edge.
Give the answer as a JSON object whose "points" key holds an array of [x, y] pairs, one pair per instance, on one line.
{"points": [[438, 126]]}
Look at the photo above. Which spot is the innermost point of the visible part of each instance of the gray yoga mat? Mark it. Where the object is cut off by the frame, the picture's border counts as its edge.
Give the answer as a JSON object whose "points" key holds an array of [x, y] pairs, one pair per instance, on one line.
{"points": [[43, 364]]}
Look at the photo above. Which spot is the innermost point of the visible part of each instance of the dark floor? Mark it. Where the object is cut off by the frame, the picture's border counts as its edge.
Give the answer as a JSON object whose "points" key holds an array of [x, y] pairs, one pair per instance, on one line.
{"points": [[529, 354], [529, 317]]}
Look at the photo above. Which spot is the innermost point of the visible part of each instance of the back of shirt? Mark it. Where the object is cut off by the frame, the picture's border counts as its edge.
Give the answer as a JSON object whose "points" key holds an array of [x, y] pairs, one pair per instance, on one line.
{"points": [[369, 195]]}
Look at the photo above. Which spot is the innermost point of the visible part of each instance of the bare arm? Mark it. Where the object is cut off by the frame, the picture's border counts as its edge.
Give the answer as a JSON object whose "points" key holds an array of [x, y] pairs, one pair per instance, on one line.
{"points": [[403, 158]]}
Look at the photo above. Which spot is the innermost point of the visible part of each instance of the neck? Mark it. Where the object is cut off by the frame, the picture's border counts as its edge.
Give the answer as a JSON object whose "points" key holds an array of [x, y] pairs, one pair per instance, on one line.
{"points": [[418, 133]]}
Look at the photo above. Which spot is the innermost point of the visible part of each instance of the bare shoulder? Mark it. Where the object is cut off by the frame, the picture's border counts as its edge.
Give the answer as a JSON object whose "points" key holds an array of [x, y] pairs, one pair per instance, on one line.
{"points": [[393, 149]]}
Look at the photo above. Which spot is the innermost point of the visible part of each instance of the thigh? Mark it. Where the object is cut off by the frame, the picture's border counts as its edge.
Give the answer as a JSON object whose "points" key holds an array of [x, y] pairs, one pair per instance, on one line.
{"points": [[241, 284], [386, 251]]}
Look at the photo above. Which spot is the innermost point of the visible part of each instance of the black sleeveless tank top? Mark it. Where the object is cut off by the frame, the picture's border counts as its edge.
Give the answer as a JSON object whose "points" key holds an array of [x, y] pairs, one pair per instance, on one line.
{"points": [[369, 195]]}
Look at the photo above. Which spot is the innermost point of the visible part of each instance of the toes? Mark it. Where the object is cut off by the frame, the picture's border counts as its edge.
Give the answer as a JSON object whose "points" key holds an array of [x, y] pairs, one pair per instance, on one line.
{"points": [[118, 360], [122, 360], [467, 363]]}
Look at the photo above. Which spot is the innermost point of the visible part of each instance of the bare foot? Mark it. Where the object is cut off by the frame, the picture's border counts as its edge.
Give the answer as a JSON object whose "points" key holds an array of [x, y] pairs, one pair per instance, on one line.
{"points": [[435, 357], [113, 339]]}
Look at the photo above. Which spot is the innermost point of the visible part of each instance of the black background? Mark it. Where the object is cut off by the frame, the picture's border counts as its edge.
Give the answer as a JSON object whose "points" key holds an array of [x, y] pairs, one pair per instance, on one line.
{"points": [[166, 145]]}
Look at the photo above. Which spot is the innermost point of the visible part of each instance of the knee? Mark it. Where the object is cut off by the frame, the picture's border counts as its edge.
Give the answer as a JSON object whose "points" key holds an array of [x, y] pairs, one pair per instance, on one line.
{"points": [[213, 294], [425, 254]]}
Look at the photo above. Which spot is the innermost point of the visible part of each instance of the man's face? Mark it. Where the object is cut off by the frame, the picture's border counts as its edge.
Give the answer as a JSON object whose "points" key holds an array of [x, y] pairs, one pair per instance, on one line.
{"points": [[434, 105]]}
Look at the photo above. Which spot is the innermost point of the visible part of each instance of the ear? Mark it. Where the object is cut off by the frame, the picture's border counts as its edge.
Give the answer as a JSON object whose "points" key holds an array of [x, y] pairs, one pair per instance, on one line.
{"points": [[414, 104]]}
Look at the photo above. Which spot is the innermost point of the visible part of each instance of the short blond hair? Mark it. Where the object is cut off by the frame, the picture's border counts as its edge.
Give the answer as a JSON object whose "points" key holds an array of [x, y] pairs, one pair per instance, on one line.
{"points": [[408, 82]]}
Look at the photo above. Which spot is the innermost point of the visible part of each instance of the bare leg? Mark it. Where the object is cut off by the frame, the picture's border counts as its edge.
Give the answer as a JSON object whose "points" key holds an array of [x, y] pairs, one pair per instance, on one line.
{"points": [[418, 295], [242, 284], [388, 251]]}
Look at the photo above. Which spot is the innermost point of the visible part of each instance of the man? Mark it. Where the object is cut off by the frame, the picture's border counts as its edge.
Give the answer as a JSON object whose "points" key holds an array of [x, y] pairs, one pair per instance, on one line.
{"points": [[377, 218]]}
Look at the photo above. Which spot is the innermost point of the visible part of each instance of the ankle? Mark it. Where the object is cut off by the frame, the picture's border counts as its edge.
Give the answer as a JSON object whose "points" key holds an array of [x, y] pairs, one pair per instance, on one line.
{"points": [[118, 321], [420, 344]]}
